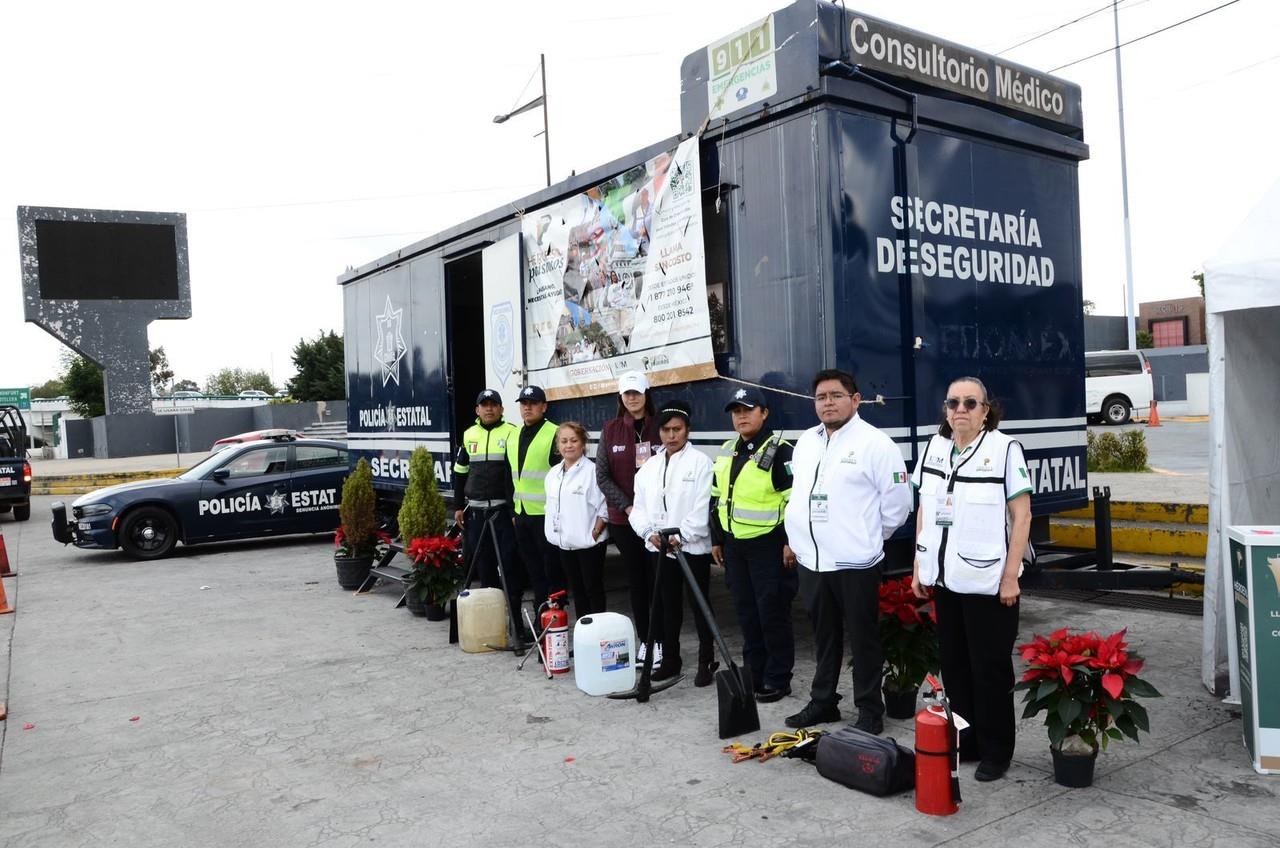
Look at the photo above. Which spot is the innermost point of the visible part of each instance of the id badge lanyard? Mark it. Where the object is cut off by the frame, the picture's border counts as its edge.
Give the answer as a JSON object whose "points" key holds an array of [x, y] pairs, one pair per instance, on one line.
{"points": [[945, 511]]}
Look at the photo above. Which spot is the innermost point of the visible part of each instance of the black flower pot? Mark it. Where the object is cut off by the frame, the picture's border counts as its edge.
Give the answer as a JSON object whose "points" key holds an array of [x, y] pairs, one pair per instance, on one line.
{"points": [[436, 612], [899, 703], [415, 603], [1073, 770], [352, 571]]}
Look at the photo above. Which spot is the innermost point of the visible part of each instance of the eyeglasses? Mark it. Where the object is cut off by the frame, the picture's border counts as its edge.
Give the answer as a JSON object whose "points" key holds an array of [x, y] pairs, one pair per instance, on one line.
{"points": [[969, 403], [835, 396]]}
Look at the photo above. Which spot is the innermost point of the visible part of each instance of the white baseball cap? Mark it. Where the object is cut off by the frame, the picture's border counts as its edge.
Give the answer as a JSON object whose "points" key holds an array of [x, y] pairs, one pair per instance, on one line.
{"points": [[633, 381]]}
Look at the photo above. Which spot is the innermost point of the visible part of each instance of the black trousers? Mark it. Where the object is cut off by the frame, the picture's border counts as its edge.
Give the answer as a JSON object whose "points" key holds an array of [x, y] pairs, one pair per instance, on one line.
{"points": [[674, 589], [844, 602], [585, 569], [975, 638], [540, 558], [762, 594], [640, 567], [486, 561]]}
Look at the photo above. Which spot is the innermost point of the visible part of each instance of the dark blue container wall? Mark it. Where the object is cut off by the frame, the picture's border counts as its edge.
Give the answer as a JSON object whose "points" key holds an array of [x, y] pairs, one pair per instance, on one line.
{"points": [[403, 308]]}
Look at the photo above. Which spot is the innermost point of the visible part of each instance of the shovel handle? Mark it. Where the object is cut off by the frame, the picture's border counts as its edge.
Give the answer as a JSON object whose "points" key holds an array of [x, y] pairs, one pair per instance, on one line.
{"points": [[703, 606]]}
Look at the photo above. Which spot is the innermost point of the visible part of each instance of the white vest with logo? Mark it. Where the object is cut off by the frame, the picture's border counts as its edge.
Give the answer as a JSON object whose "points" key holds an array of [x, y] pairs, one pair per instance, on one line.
{"points": [[974, 548]]}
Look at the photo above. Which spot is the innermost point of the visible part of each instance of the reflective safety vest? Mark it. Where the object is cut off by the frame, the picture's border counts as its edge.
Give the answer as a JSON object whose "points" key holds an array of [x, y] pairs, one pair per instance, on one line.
{"points": [[751, 507], [531, 496], [487, 457]]}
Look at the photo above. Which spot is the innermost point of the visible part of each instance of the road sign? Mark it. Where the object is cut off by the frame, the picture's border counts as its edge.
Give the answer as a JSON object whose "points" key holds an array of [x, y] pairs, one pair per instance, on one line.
{"points": [[174, 410], [20, 398]]}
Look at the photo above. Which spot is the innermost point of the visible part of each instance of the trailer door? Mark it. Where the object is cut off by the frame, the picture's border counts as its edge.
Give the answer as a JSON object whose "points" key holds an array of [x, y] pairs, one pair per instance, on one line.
{"points": [[504, 318]]}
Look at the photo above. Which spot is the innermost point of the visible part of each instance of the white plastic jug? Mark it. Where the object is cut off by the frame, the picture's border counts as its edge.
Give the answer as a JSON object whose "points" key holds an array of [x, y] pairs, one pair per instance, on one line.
{"points": [[482, 620], [604, 649]]}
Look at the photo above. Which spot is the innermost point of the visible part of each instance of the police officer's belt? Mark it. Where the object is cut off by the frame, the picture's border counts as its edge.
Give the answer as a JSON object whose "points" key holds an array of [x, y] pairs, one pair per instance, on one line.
{"points": [[487, 504]]}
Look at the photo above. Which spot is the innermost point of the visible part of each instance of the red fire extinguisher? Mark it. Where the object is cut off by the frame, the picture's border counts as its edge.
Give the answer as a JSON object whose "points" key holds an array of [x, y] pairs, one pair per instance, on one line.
{"points": [[937, 755], [554, 623]]}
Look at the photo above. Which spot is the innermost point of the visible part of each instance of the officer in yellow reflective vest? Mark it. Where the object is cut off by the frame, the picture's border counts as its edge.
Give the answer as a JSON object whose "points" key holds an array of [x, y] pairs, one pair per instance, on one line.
{"points": [[482, 490], [531, 455], [748, 502]]}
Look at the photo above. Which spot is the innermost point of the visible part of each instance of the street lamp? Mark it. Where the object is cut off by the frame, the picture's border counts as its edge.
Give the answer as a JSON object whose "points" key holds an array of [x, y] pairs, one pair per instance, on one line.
{"points": [[540, 100]]}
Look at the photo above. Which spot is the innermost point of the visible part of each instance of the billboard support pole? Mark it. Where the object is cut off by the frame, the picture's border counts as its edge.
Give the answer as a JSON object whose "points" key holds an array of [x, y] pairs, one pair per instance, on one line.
{"points": [[1130, 317]]}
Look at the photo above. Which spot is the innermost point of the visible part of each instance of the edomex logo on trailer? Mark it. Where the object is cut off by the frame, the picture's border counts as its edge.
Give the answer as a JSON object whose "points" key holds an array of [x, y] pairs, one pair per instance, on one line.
{"points": [[503, 344], [389, 348]]}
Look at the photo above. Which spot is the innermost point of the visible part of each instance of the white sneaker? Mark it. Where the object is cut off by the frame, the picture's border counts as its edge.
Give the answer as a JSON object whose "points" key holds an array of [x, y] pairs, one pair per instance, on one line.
{"points": [[657, 655], [640, 655]]}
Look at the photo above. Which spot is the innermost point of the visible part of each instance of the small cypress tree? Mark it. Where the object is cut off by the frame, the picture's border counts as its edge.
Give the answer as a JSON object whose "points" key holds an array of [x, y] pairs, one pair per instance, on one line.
{"points": [[358, 511], [422, 511]]}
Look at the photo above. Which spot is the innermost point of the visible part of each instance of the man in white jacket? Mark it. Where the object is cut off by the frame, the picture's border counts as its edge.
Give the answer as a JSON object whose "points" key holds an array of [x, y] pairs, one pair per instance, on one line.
{"points": [[673, 490], [850, 493]]}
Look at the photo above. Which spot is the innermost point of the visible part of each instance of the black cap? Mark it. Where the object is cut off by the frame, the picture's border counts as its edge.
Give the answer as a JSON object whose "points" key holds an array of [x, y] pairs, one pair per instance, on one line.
{"points": [[489, 396], [746, 397], [672, 409], [533, 394]]}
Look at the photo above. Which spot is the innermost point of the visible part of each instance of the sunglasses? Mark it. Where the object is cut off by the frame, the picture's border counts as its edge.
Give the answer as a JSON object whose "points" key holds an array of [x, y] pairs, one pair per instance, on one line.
{"points": [[969, 403]]}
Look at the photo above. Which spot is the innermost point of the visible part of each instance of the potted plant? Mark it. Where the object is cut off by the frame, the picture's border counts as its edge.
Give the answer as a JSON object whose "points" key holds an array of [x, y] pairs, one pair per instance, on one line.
{"points": [[1087, 686], [909, 639], [356, 541], [436, 573], [437, 559]]}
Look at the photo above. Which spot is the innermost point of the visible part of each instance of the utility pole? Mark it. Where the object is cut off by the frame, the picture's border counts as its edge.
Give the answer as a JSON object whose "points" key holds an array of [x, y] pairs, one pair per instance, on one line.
{"points": [[546, 132], [1131, 321]]}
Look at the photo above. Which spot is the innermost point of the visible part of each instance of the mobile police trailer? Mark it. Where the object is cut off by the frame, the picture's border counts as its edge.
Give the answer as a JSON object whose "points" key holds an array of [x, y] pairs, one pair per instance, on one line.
{"points": [[844, 193]]}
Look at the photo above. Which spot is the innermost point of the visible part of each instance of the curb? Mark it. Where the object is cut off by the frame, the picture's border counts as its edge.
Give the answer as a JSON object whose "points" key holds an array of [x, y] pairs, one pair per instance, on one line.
{"points": [[1172, 540], [1164, 513], [80, 484]]}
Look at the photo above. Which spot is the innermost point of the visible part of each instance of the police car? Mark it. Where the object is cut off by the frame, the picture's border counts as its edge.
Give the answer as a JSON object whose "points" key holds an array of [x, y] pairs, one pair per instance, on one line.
{"points": [[265, 488]]}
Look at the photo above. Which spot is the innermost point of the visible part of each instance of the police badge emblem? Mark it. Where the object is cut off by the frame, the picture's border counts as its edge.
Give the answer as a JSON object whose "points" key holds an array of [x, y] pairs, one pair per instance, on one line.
{"points": [[501, 340]]}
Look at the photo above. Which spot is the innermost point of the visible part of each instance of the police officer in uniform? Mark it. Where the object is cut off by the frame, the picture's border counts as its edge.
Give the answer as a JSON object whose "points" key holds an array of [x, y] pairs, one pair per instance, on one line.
{"points": [[748, 502], [531, 455], [851, 494], [483, 489]]}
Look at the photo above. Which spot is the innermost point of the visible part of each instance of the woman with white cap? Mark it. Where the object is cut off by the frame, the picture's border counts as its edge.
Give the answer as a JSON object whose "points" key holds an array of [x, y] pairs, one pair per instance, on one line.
{"points": [[627, 441]]}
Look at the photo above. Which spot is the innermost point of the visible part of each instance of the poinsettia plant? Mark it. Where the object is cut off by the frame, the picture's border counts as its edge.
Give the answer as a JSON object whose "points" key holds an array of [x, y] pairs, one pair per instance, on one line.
{"points": [[376, 545], [908, 635], [1087, 685], [438, 568]]}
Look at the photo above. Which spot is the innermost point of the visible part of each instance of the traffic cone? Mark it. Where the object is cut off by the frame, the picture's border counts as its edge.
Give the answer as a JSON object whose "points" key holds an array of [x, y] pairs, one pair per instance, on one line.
{"points": [[5, 570], [4, 601], [1153, 420]]}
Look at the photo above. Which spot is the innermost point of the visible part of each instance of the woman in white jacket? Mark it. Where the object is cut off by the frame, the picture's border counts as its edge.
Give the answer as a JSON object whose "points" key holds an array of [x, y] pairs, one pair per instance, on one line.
{"points": [[577, 519], [673, 490]]}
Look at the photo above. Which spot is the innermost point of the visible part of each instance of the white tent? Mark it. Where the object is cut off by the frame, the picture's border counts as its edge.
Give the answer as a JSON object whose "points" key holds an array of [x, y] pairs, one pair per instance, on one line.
{"points": [[1242, 301]]}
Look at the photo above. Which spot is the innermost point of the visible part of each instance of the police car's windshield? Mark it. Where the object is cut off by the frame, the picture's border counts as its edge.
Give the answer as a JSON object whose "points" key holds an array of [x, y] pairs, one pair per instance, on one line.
{"points": [[198, 472]]}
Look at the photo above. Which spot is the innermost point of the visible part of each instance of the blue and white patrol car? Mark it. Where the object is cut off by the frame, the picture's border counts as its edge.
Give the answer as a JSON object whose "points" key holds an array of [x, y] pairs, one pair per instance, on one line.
{"points": [[264, 488]]}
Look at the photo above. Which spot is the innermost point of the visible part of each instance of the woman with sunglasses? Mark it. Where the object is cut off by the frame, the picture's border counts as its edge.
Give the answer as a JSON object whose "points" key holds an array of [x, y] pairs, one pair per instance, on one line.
{"points": [[972, 529]]}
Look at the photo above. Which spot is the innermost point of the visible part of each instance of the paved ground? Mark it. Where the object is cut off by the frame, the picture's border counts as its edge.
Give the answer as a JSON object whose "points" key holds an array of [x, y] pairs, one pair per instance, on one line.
{"points": [[275, 709], [1178, 453]]}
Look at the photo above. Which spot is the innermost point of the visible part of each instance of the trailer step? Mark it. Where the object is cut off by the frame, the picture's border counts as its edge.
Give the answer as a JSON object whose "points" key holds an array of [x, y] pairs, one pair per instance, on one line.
{"points": [[1139, 537]]}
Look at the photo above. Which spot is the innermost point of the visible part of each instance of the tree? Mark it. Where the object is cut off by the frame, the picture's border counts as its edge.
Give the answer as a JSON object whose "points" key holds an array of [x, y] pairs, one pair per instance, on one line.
{"points": [[1089, 307], [321, 369], [422, 511], [161, 373], [49, 389], [83, 383], [1199, 278], [233, 381], [186, 386], [1144, 340]]}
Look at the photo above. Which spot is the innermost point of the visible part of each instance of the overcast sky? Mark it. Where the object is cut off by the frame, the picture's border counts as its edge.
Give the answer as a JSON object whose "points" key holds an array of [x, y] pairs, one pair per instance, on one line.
{"points": [[301, 138]]}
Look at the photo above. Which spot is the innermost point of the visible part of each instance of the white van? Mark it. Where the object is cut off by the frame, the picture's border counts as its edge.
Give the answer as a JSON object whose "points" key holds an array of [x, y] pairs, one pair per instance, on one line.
{"points": [[1117, 384]]}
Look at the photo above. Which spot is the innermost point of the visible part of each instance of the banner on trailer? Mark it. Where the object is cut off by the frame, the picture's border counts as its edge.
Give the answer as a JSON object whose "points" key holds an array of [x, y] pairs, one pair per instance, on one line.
{"points": [[617, 282]]}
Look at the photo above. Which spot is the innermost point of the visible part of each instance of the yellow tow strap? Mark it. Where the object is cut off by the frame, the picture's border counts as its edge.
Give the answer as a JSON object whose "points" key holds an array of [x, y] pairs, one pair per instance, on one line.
{"points": [[776, 745]]}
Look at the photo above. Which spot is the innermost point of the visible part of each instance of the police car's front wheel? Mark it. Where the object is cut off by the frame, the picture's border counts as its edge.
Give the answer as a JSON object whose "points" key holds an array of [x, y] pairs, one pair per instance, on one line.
{"points": [[148, 533]]}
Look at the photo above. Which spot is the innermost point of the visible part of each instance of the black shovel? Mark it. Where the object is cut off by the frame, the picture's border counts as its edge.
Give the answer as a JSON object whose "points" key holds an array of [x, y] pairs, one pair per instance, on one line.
{"points": [[733, 685]]}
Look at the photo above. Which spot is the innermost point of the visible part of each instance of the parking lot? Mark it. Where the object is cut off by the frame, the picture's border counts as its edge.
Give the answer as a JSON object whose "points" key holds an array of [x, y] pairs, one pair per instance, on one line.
{"points": [[233, 695]]}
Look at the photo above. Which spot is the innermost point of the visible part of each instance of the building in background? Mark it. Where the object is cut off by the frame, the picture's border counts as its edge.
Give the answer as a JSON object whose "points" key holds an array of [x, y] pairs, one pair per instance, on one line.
{"points": [[1173, 323]]}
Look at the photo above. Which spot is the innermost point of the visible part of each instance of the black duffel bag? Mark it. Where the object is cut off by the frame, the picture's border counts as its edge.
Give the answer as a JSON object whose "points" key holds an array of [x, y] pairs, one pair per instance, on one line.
{"points": [[865, 762]]}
